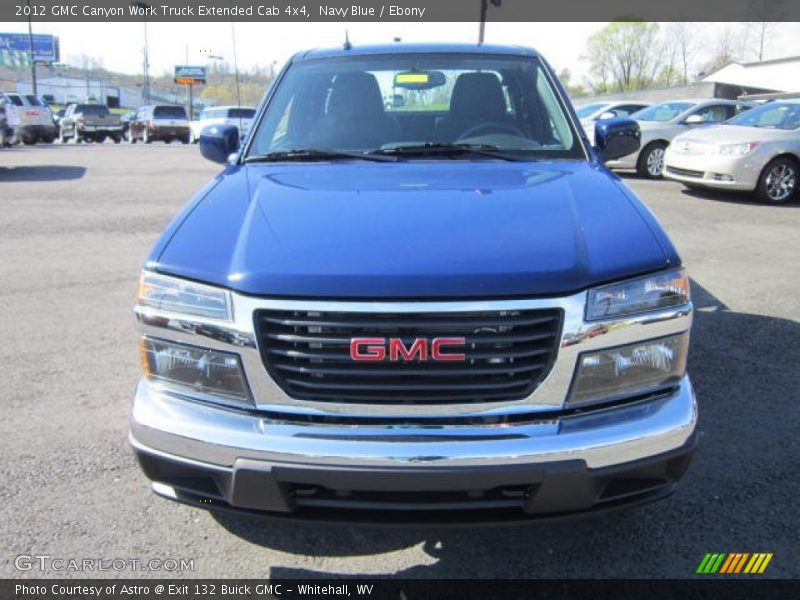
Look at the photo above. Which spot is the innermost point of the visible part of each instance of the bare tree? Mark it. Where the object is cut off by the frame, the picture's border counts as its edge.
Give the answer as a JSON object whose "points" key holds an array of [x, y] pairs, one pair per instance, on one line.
{"points": [[763, 16], [724, 48], [681, 38]]}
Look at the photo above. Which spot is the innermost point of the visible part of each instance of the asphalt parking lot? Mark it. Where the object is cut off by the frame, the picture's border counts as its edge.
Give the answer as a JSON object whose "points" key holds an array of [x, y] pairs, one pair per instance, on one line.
{"points": [[76, 222]]}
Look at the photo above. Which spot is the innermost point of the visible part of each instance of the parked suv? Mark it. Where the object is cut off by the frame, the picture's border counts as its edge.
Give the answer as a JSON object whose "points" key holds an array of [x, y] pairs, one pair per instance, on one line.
{"points": [[30, 120], [239, 116], [89, 122], [162, 122], [448, 311]]}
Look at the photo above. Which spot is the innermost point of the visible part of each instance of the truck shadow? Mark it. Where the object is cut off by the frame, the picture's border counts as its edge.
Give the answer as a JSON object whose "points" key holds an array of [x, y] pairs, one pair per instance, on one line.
{"points": [[738, 493], [41, 173]]}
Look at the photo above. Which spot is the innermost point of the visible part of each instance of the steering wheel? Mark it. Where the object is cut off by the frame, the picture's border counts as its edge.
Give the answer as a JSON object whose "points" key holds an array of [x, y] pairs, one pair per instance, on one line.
{"points": [[492, 126]]}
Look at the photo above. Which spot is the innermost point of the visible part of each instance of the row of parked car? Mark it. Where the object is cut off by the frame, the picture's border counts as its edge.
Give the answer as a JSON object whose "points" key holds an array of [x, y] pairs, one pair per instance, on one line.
{"points": [[25, 118], [712, 143]]}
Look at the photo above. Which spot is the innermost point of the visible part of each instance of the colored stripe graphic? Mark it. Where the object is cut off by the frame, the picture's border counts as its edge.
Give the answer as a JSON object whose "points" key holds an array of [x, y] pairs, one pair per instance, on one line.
{"points": [[711, 562], [758, 563], [734, 562]]}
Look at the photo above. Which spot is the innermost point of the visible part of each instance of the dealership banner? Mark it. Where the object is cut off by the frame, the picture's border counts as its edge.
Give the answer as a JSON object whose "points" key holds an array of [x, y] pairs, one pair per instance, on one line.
{"points": [[397, 10], [396, 589]]}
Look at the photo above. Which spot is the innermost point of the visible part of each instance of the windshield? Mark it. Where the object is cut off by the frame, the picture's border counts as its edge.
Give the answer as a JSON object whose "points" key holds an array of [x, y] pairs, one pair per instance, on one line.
{"points": [[14, 99], [662, 112], [587, 111], [169, 112], [383, 102], [776, 115], [92, 110], [241, 113]]}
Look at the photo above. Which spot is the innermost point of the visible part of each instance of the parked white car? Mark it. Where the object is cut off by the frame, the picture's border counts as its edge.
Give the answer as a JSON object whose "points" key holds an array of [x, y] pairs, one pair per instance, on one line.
{"points": [[589, 114], [758, 151], [240, 116], [660, 123], [29, 119]]}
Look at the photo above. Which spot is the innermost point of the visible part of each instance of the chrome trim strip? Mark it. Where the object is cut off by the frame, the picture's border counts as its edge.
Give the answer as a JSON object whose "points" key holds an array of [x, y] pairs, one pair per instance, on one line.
{"points": [[202, 434], [577, 336]]}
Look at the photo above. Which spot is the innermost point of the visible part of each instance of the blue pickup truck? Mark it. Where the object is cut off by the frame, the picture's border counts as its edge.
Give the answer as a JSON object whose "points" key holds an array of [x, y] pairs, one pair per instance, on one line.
{"points": [[440, 308]]}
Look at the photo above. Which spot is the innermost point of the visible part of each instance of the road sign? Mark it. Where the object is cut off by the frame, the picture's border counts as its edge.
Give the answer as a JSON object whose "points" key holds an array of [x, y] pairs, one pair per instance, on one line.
{"points": [[187, 75], [45, 47]]}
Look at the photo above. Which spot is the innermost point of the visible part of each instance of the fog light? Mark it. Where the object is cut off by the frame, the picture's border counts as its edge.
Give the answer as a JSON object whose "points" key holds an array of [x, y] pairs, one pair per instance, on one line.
{"points": [[614, 373], [203, 373]]}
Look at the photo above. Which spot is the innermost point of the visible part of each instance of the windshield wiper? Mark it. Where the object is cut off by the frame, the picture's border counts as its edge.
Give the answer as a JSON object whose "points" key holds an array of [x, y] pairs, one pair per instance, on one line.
{"points": [[445, 149], [314, 154]]}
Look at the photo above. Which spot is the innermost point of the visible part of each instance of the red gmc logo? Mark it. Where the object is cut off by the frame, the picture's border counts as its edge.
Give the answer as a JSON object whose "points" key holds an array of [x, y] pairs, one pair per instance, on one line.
{"points": [[375, 349]]}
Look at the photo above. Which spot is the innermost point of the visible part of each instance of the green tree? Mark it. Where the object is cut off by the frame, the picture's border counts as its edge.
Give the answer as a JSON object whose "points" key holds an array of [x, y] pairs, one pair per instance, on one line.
{"points": [[624, 56]]}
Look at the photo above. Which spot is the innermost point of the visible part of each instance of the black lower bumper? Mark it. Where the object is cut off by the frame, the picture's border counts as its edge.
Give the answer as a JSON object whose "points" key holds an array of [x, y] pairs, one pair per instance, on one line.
{"points": [[438, 495]]}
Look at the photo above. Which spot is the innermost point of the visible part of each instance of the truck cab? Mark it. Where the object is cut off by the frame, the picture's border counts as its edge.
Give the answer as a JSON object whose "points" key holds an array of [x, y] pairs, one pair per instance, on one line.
{"points": [[440, 308]]}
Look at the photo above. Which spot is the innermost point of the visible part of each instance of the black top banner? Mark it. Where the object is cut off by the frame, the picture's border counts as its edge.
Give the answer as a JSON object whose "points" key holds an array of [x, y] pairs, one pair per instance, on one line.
{"points": [[398, 10]]}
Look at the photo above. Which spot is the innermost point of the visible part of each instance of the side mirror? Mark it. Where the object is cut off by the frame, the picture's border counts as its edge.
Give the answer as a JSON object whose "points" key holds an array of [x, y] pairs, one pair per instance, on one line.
{"points": [[617, 137], [694, 120], [218, 142]]}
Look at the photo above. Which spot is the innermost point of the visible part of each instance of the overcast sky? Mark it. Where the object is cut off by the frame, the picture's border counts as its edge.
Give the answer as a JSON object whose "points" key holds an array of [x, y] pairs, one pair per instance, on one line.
{"points": [[119, 45]]}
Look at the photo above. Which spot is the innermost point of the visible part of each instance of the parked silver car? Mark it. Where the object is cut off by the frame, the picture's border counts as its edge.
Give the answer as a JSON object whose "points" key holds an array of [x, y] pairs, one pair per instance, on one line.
{"points": [[758, 151], [589, 114], [660, 123]]}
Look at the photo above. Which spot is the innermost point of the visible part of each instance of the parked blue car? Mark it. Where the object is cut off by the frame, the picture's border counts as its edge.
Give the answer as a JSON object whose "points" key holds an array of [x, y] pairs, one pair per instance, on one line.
{"points": [[440, 308]]}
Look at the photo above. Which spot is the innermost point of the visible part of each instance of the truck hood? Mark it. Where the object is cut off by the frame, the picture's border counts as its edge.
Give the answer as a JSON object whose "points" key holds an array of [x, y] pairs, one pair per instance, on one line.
{"points": [[414, 230]]}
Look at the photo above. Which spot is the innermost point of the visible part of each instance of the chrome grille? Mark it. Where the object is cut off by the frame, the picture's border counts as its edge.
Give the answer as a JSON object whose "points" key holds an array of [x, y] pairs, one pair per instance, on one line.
{"points": [[507, 354]]}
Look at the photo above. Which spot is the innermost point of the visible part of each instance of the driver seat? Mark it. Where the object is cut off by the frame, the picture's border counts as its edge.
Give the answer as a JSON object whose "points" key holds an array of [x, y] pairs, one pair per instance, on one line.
{"points": [[477, 98], [355, 118]]}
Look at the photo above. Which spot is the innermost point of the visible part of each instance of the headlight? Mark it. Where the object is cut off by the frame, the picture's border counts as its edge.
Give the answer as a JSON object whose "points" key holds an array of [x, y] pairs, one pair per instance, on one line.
{"points": [[198, 372], [638, 368], [737, 149], [184, 297], [645, 294]]}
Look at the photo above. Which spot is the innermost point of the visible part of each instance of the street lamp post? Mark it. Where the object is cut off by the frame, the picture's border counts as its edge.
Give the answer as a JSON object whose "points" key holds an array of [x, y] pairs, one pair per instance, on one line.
{"points": [[484, 7], [33, 55], [146, 82]]}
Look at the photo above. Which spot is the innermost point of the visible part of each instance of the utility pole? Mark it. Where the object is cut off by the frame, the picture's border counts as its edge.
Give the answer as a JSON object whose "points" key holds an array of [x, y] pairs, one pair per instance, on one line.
{"points": [[33, 55], [190, 91], [146, 83]]}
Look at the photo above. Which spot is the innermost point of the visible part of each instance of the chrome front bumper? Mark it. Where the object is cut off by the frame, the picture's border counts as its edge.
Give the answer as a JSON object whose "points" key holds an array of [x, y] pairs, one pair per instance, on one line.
{"points": [[196, 433]]}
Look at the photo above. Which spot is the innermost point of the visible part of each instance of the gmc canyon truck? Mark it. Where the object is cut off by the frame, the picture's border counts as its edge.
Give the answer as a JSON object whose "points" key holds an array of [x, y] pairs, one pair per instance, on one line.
{"points": [[446, 310]]}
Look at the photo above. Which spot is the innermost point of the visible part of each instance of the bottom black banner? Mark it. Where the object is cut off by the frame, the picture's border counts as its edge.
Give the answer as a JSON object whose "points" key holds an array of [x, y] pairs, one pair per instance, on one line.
{"points": [[399, 589]]}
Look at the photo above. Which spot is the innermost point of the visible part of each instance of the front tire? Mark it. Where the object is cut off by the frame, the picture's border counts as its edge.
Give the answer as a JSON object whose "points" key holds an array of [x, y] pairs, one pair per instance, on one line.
{"points": [[651, 161], [778, 182]]}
